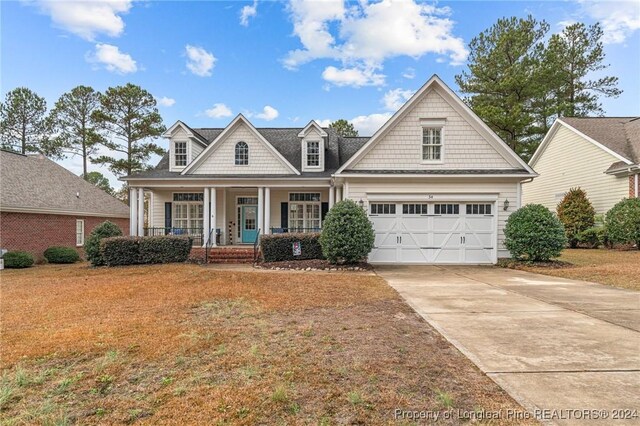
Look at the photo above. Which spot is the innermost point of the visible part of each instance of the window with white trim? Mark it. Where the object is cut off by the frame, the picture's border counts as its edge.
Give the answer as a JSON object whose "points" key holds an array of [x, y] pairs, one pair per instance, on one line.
{"points": [[188, 211], [79, 232], [443, 209], [473, 209], [242, 154], [304, 212], [313, 153], [418, 209], [432, 143], [382, 208], [180, 153]]}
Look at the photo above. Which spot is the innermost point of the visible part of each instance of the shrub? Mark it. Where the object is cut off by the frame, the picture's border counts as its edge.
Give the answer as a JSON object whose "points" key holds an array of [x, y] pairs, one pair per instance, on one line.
{"points": [[347, 234], [61, 255], [92, 244], [18, 259], [576, 214], [534, 233], [623, 222], [279, 247], [118, 251], [592, 237]]}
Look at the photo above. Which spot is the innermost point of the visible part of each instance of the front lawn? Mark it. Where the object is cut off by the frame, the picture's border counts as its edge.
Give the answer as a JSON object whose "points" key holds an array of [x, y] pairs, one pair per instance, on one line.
{"points": [[185, 344], [611, 267]]}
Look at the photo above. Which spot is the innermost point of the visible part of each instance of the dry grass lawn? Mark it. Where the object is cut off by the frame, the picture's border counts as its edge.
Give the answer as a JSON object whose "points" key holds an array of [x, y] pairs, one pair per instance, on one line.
{"points": [[611, 267], [182, 344]]}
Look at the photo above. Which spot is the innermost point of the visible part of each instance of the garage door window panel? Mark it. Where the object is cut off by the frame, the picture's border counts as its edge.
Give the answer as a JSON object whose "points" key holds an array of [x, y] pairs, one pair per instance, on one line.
{"points": [[382, 209], [478, 209], [446, 209]]}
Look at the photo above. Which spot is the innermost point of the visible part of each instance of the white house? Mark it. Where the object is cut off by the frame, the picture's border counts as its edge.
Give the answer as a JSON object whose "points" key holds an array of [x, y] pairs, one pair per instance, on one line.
{"points": [[437, 183], [601, 155]]}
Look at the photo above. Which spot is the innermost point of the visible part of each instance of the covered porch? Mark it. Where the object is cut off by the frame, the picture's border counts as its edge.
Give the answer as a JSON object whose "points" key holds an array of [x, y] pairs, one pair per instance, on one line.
{"points": [[230, 214]]}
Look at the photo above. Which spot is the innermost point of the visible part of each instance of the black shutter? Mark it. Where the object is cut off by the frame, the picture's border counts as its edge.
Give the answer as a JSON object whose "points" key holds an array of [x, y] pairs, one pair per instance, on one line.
{"points": [[284, 216], [324, 210], [167, 216]]}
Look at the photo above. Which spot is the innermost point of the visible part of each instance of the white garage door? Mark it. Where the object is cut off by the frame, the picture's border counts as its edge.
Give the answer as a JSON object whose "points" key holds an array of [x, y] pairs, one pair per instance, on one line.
{"points": [[433, 232]]}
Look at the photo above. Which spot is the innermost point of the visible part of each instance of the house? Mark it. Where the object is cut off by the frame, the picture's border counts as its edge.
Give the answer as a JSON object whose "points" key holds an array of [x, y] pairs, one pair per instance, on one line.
{"points": [[42, 204], [437, 183], [601, 155]]}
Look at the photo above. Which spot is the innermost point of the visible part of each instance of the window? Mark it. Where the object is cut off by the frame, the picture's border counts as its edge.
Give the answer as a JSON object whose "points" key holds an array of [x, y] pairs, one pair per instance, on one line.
{"points": [[188, 211], [304, 212], [479, 209], [431, 144], [242, 154], [79, 232], [188, 196], [378, 208], [313, 154], [252, 201], [415, 208], [180, 153], [447, 209]]}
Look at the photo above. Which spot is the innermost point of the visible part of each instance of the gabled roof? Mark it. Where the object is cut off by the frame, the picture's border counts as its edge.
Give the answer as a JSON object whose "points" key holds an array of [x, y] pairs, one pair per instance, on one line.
{"points": [[475, 121], [315, 125], [618, 136], [33, 183], [188, 130], [240, 119]]}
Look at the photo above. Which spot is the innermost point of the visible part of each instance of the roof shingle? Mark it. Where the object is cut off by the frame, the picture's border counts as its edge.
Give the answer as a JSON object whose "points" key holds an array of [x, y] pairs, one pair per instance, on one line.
{"points": [[619, 134]]}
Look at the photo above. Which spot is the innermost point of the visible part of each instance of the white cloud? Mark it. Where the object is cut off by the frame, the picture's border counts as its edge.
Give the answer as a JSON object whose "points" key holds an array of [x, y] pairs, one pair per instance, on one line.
{"points": [[324, 123], [354, 77], [218, 111], [112, 59], [366, 125], [199, 61], [395, 98], [409, 73], [87, 19], [248, 11], [166, 102], [364, 35], [268, 113], [619, 19]]}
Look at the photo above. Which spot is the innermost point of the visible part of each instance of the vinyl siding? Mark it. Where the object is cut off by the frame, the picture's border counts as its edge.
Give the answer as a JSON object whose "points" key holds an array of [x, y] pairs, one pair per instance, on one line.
{"points": [[505, 189], [401, 147], [222, 158], [571, 161]]}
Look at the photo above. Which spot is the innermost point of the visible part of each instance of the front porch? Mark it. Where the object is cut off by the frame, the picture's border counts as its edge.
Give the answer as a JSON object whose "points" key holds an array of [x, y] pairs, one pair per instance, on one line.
{"points": [[229, 215]]}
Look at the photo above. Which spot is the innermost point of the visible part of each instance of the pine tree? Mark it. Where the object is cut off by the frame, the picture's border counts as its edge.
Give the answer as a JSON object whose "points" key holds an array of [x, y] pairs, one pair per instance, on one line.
{"points": [[23, 124], [576, 214]]}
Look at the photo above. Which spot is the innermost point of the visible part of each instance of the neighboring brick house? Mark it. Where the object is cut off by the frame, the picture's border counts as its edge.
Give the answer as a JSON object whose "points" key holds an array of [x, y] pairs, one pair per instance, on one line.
{"points": [[598, 154], [42, 204]]}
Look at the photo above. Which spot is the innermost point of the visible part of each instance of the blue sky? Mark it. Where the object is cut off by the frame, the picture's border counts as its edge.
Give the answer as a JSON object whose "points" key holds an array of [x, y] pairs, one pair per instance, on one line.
{"points": [[280, 63]]}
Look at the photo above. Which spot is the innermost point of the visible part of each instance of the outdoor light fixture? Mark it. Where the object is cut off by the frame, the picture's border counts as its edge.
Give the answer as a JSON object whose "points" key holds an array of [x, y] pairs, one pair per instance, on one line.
{"points": [[361, 203], [506, 204]]}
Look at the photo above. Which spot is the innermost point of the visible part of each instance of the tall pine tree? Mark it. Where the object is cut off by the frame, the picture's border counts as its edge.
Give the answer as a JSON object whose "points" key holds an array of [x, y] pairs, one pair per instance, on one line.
{"points": [[23, 124]]}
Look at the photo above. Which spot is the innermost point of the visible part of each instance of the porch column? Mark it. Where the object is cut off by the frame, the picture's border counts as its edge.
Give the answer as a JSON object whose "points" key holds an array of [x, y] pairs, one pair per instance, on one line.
{"points": [[213, 216], [338, 193], [141, 212], [332, 196], [260, 209], [223, 228], [267, 211], [133, 211], [206, 216]]}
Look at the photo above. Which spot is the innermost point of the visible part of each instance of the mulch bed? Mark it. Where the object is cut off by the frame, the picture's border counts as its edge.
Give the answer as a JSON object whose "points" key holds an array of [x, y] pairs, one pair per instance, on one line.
{"points": [[523, 265], [314, 265]]}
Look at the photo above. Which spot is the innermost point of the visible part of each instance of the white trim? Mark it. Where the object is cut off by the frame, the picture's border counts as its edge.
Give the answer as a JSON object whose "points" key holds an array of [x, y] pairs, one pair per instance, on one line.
{"points": [[260, 209], [332, 196], [422, 144], [221, 137], [305, 158], [267, 211], [141, 212], [430, 175], [81, 234], [312, 123], [133, 217], [186, 129], [206, 213], [303, 203], [432, 197], [213, 212], [458, 105], [37, 210]]}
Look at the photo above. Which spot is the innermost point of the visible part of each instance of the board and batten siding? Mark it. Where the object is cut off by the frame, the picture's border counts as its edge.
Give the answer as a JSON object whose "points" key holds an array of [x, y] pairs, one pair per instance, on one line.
{"points": [[505, 189], [222, 159], [571, 161], [463, 146]]}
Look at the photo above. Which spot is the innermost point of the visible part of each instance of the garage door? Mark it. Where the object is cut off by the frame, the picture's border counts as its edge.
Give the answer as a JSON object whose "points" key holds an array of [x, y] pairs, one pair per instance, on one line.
{"points": [[433, 232]]}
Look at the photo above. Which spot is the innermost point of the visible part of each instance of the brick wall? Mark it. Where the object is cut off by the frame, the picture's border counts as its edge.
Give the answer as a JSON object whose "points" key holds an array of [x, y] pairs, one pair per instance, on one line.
{"points": [[632, 186], [36, 232]]}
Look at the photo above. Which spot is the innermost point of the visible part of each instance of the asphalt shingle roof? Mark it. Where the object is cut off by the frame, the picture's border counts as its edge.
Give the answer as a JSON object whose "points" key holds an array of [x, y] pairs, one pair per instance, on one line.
{"points": [[619, 134], [33, 182]]}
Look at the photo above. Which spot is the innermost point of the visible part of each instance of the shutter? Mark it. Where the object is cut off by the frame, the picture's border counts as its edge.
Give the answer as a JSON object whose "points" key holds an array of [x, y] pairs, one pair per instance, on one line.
{"points": [[167, 216], [324, 210], [284, 216]]}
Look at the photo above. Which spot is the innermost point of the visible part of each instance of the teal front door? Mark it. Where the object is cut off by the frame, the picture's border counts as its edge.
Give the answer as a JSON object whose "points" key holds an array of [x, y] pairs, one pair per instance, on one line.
{"points": [[249, 223]]}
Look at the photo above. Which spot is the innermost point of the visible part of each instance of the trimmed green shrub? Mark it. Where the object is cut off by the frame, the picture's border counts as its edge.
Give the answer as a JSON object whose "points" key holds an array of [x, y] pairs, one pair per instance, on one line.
{"points": [[61, 255], [347, 233], [534, 233], [92, 243], [592, 238], [18, 259], [117, 251], [576, 214], [279, 247], [623, 222]]}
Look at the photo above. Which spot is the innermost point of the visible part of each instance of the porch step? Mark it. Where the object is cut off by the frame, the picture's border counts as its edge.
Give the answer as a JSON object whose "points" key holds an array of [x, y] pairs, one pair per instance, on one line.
{"points": [[222, 255]]}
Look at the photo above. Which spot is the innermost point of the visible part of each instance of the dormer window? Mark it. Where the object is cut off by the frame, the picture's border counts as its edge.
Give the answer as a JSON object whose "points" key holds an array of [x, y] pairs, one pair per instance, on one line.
{"points": [[313, 153], [242, 154], [180, 154], [432, 144]]}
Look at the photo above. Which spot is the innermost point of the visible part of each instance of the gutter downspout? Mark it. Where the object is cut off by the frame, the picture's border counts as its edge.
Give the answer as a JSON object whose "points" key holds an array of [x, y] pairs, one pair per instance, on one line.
{"points": [[519, 195], [636, 185]]}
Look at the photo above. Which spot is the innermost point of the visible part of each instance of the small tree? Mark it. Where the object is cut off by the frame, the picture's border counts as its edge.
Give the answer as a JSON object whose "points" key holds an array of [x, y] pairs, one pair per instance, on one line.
{"points": [[99, 180], [534, 233], [576, 214], [92, 244], [347, 234], [344, 128], [623, 222]]}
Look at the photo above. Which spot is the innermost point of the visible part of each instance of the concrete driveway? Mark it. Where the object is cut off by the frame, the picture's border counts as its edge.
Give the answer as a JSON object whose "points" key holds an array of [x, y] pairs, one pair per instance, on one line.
{"points": [[551, 343]]}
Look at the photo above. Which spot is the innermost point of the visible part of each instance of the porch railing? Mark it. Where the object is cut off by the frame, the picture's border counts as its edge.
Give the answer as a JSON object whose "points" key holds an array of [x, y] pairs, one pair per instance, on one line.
{"points": [[195, 233], [293, 230]]}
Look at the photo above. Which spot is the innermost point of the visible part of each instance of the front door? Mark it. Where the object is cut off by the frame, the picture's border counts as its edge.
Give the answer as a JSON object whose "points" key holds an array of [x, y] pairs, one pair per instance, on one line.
{"points": [[249, 223]]}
